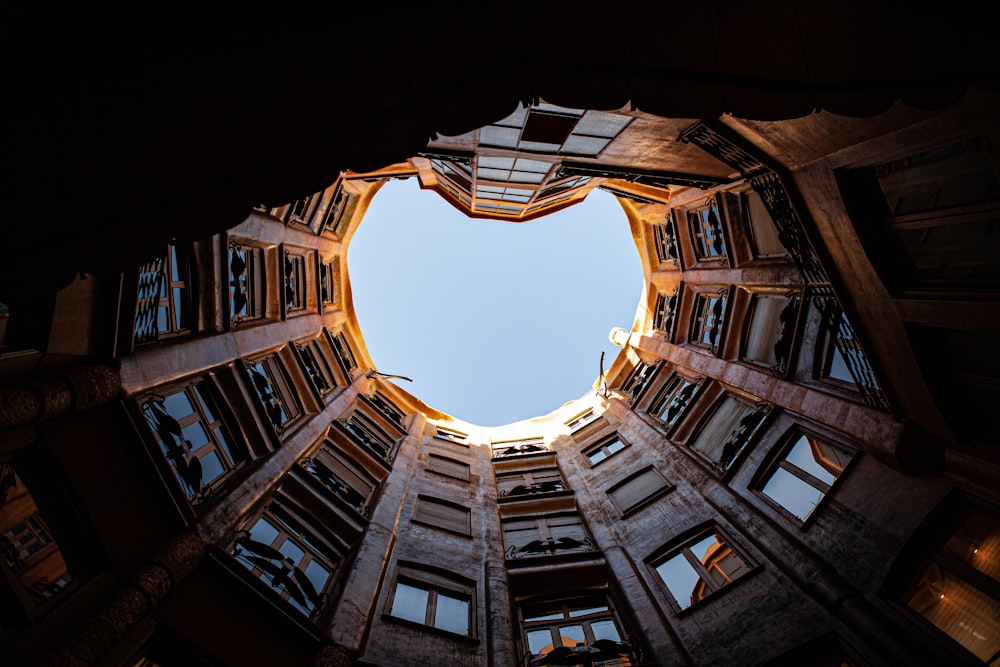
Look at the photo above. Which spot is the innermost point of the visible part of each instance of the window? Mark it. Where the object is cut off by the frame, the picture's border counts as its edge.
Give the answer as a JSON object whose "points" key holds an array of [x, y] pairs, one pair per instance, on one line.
{"points": [[341, 475], [674, 398], [840, 359], [763, 233], [295, 282], [443, 514], [448, 466], [447, 434], [274, 388], [31, 559], [664, 313], [700, 567], [434, 599], [527, 482], [163, 305], [665, 239], [246, 282], [638, 379], [338, 216], [707, 319], [369, 434], [770, 330], [727, 430], [581, 420], [313, 356], [387, 408], [706, 232], [297, 563], [804, 474], [604, 449], [189, 428], [345, 358], [576, 631], [638, 489], [329, 282], [545, 535], [956, 587]]}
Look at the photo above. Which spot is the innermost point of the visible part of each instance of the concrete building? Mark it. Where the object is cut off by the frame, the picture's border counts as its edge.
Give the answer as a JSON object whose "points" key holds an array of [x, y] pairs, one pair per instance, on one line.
{"points": [[792, 460]]}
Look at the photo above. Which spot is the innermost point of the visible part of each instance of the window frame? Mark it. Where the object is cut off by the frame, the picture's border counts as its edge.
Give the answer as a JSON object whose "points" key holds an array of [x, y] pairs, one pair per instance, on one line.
{"points": [[255, 266], [665, 397], [203, 395], [547, 544], [435, 582], [420, 515], [294, 282], [602, 446], [307, 538], [282, 390], [699, 220], [778, 459], [644, 500], [682, 546], [544, 618], [701, 304], [312, 356], [549, 477], [736, 458], [177, 291], [785, 334]]}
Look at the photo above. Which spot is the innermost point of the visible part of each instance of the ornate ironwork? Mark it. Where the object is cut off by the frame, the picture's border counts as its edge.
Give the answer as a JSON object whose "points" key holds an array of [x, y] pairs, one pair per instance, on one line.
{"points": [[551, 486], [663, 315], [334, 483], [368, 439], [280, 571], [740, 436], [152, 283], [766, 181], [550, 546], [273, 404], [786, 335], [178, 450], [656, 179], [517, 450]]}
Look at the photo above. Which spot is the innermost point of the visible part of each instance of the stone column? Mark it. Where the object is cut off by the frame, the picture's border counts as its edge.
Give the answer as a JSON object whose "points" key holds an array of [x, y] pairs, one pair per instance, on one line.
{"points": [[143, 591], [332, 655], [56, 394]]}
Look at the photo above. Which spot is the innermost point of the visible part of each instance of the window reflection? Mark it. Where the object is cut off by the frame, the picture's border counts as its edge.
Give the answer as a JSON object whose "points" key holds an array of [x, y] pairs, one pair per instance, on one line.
{"points": [[28, 548], [805, 475], [699, 568], [572, 632], [957, 587]]}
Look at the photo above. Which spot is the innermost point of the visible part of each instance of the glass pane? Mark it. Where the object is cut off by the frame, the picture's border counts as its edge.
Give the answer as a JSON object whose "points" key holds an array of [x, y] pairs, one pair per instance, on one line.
{"points": [[614, 446], [977, 542], [792, 493], [526, 177], [162, 319], [680, 578], [505, 137], [496, 162], [538, 146], [196, 435], [597, 455], [605, 630], [838, 367], [572, 635], [601, 124], [410, 603], [317, 575], [211, 467], [584, 145], [199, 392], [804, 456], [539, 641], [965, 613], [178, 308], [537, 166], [177, 405], [264, 532], [292, 550], [574, 613], [704, 547], [220, 437], [493, 174], [452, 614]]}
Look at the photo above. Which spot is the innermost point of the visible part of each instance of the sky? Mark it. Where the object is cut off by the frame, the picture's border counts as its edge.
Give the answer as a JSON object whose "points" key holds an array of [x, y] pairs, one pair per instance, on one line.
{"points": [[494, 321]]}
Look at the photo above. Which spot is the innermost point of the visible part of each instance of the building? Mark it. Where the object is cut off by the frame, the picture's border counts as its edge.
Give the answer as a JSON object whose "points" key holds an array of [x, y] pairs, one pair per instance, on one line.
{"points": [[792, 461]]}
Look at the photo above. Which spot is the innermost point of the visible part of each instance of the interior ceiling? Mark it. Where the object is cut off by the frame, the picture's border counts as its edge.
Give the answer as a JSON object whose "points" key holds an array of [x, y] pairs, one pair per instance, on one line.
{"points": [[123, 129]]}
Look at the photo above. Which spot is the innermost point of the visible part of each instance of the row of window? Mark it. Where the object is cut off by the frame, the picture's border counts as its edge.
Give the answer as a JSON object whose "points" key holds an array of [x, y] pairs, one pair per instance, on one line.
{"points": [[728, 228], [326, 212], [261, 283]]}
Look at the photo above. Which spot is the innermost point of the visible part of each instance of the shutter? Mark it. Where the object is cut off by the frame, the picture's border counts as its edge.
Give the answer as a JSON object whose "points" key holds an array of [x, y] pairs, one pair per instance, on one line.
{"points": [[637, 489], [720, 425], [345, 470], [762, 333], [447, 516], [449, 467], [765, 234]]}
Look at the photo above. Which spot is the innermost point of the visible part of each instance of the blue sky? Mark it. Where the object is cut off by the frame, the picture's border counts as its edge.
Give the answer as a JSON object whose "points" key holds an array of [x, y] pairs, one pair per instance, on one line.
{"points": [[494, 321]]}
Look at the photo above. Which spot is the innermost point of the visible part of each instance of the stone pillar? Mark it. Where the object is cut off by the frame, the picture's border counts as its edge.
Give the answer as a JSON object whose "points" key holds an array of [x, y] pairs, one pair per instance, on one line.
{"points": [[49, 396], [143, 591]]}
